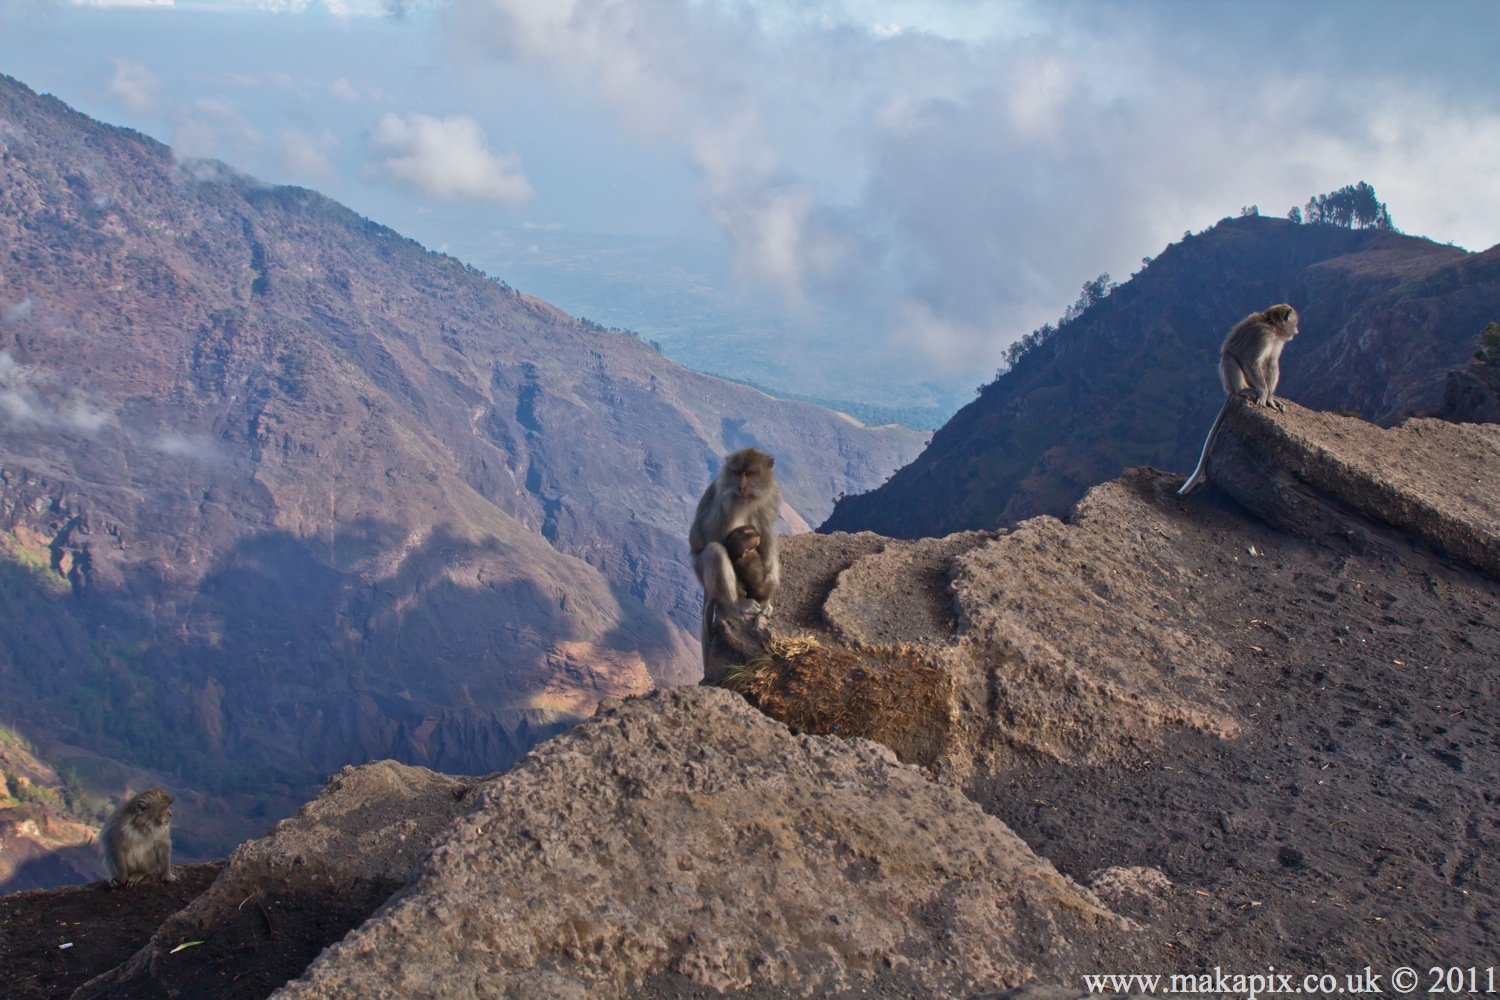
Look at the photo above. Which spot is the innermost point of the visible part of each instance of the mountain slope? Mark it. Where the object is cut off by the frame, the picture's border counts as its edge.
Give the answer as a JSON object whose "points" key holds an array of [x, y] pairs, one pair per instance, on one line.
{"points": [[1133, 380], [281, 490]]}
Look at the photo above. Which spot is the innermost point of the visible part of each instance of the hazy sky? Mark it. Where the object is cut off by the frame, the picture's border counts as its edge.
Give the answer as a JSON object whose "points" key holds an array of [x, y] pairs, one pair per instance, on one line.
{"points": [[916, 183]]}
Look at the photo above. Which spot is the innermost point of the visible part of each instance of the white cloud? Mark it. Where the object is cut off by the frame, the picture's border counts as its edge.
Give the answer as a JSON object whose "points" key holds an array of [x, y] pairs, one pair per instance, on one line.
{"points": [[197, 447], [23, 403], [949, 185], [17, 313], [343, 90], [134, 86], [445, 158]]}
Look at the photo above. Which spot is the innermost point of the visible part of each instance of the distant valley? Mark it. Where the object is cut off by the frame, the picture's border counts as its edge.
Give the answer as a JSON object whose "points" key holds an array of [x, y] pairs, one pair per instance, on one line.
{"points": [[708, 320]]}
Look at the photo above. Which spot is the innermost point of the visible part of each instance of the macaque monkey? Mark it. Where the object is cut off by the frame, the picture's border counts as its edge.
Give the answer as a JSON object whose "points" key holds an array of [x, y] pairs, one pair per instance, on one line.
{"points": [[743, 544], [744, 494], [1249, 365], [137, 839]]}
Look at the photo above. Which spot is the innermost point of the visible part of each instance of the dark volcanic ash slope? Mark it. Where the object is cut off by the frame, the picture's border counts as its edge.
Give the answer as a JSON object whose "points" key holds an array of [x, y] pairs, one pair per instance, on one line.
{"points": [[1133, 381], [281, 490]]}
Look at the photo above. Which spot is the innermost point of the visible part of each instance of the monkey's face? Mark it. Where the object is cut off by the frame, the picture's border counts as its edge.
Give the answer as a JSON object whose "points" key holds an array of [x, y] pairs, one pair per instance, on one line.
{"points": [[747, 483], [749, 478]]}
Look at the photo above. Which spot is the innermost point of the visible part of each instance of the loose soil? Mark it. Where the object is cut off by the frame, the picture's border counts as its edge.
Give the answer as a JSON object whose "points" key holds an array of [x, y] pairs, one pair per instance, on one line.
{"points": [[1355, 821], [102, 927]]}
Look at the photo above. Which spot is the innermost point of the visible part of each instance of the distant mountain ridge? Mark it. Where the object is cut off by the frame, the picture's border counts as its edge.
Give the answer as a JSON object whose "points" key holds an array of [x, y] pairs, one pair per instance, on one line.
{"points": [[281, 490], [1133, 380]]}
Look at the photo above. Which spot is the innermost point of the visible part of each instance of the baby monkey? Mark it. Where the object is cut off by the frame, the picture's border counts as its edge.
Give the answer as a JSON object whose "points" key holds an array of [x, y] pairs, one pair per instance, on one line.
{"points": [[743, 544], [137, 839], [1249, 365]]}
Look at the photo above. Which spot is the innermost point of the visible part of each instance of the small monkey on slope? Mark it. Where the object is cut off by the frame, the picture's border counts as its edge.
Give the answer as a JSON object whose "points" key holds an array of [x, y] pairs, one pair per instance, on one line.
{"points": [[744, 494], [1249, 365], [137, 839]]}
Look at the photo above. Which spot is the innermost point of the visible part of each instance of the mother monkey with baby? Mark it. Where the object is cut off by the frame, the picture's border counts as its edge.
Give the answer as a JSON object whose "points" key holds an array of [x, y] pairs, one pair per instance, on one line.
{"points": [[733, 541]]}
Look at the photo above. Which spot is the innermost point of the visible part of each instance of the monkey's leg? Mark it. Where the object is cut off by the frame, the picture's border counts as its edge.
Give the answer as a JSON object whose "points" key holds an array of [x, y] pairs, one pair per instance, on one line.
{"points": [[752, 574], [720, 590]]}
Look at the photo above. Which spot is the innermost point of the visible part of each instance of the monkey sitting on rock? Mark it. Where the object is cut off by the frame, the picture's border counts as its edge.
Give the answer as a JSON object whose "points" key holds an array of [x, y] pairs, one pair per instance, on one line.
{"points": [[1249, 365], [137, 839], [739, 570]]}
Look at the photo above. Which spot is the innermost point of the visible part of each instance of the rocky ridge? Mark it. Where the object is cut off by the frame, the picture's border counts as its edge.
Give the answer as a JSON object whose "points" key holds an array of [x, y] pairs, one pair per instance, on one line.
{"points": [[1161, 736]]}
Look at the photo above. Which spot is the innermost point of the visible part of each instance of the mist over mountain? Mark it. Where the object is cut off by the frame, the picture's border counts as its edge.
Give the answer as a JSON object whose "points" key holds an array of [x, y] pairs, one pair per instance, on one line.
{"points": [[281, 490], [1133, 380]]}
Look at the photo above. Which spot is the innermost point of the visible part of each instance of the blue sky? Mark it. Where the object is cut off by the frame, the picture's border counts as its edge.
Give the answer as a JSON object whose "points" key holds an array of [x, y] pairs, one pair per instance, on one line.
{"points": [[860, 199]]}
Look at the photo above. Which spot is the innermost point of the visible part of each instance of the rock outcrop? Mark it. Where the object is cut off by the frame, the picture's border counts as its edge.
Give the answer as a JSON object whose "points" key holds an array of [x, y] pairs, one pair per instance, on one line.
{"points": [[685, 832], [304, 885], [1440, 481], [1253, 734]]}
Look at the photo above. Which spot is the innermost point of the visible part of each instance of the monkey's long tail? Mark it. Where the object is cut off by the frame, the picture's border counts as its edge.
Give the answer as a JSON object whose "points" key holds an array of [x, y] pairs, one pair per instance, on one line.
{"points": [[1201, 472]]}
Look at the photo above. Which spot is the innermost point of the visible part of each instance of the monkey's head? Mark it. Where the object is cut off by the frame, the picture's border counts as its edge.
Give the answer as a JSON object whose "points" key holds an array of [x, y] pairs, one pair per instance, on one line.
{"points": [[747, 472], [153, 807], [1284, 319]]}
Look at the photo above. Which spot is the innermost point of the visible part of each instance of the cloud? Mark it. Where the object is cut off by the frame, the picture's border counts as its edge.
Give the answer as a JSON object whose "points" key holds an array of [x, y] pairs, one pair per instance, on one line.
{"points": [[445, 158], [210, 127], [18, 313], [948, 186], [21, 401], [134, 86], [343, 90], [196, 447]]}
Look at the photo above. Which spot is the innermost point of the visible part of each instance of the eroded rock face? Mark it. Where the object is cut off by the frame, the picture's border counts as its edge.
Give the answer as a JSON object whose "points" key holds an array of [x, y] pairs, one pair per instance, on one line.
{"points": [[300, 887], [1078, 649], [1437, 480], [685, 832], [1051, 641]]}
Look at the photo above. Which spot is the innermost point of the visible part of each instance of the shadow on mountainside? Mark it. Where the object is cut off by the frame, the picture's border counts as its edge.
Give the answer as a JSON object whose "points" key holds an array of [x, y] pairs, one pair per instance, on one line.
{"points": [[285, 668]]}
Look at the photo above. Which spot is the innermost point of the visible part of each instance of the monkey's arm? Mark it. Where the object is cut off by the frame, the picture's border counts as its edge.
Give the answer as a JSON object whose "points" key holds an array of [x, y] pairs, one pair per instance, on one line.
{"points": [[771, 563], [697, 534]]}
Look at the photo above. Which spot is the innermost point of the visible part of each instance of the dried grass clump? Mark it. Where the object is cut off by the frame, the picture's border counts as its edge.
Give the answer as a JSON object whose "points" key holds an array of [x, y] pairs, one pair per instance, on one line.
{"points": [[894, 695]]}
